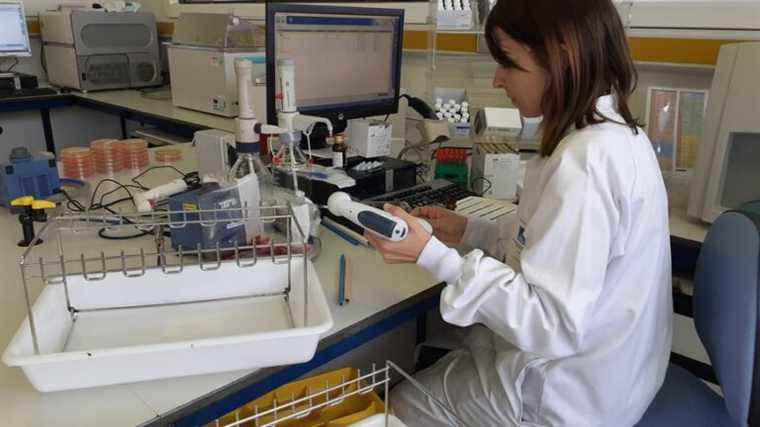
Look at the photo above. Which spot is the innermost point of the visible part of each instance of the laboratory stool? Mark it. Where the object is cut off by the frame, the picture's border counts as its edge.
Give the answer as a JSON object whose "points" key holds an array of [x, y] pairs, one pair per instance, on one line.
{"points": [[726, 317]]}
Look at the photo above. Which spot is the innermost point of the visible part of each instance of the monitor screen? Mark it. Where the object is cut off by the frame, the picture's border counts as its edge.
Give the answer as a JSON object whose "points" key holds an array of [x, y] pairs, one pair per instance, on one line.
{"points": [[741, 173], [347, 60], [14, 39]]}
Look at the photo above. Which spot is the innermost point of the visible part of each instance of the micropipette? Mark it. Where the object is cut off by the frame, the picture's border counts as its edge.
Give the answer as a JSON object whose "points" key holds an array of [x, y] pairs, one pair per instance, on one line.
{"points": [[377, 221]]}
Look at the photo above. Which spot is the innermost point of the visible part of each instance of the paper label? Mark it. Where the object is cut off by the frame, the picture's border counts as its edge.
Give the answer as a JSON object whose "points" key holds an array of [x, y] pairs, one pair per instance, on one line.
{"points": [[337, 160]]}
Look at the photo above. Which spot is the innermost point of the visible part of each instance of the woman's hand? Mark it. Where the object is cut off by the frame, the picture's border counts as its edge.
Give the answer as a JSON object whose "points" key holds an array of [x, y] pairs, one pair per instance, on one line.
{"points": [[407, 250], [448, 227]]}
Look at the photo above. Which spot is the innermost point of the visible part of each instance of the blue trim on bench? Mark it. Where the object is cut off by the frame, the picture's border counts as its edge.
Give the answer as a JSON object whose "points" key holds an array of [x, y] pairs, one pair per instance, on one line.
{"points": [[224, 406]]}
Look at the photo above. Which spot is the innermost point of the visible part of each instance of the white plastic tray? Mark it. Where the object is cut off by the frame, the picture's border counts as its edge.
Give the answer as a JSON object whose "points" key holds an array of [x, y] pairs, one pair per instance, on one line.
{"points": [[138, 342]]}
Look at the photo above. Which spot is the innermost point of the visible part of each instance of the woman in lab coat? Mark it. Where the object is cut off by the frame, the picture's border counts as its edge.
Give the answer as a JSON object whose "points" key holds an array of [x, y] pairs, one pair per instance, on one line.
{"points": [[571, 297]]}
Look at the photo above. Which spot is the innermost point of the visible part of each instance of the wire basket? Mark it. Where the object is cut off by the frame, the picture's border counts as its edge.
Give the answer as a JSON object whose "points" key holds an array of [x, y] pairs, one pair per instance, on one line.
{"points": [[289, 411], [163, 286]]}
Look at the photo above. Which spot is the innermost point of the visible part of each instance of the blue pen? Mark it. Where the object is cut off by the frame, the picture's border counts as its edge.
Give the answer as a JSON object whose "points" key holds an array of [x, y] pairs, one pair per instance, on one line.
{"points": [[341, 234], [342, 280], [318, 175]]}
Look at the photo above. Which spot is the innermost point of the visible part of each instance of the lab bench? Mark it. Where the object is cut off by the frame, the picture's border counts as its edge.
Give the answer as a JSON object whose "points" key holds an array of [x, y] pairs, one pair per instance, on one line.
{"points": [[384, 298], [127, 105]]}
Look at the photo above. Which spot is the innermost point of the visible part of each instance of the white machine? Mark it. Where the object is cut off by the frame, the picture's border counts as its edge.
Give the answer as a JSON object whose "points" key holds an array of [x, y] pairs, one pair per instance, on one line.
{"points": [[89, 49], [204, 79], [375, 220], [495, 170], [727, 172], [213, 148], [370, 138], [202, 60], [503, 122]]}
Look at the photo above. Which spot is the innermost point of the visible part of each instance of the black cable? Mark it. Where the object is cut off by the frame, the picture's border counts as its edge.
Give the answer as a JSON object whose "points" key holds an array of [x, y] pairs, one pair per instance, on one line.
{"points": [[76, 206], [102, 234], [15, 62], [43, 63], [490, 184], [143, 173], [421, 107], [104, 195], [120, 185], [108, 206]]}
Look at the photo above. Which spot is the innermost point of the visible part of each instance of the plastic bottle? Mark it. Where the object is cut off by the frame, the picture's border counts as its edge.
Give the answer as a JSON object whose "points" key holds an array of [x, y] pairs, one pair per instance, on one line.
{"points": [[256, 187], [254, 180], [307, 215], [339, 150]]}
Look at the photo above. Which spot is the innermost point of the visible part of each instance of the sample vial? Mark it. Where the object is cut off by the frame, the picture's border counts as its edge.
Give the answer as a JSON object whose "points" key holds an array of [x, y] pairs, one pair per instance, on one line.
{"points": [[339, 150]]}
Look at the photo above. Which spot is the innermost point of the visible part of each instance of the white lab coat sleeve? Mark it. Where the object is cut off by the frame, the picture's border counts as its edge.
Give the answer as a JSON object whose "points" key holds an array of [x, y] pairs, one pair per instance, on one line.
{"points": [[490, 236], [444, 262], [543, 309]]}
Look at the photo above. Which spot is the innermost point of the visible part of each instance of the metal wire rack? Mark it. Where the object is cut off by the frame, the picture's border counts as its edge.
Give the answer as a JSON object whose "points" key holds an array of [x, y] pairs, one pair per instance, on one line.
{"points": [[330, 395], [61, 267]]}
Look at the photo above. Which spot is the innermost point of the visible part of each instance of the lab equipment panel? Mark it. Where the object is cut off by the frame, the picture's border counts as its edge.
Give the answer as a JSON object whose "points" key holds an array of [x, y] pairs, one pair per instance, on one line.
{"points": [[94, 50]]}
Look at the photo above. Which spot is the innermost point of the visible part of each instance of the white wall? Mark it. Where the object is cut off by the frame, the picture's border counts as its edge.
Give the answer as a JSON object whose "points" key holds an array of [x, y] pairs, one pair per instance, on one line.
{"points": [[158, 7], [720, 19], [33, 7], [415, 13]]}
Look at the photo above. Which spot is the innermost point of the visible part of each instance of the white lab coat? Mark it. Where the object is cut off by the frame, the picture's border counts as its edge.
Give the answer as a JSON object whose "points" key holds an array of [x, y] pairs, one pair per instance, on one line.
{"points": [[578, 333]]}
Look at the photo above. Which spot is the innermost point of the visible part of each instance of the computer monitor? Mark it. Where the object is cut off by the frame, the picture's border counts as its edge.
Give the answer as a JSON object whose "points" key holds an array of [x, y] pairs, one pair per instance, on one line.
{"points": [[727, 173], [14, 37], [347, 60]]}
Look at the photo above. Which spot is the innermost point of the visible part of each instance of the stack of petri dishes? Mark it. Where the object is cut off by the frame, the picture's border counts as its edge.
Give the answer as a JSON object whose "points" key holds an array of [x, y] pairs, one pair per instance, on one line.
{"points": [[78, 162], [107, 156], [168, 155], [133, 153]]}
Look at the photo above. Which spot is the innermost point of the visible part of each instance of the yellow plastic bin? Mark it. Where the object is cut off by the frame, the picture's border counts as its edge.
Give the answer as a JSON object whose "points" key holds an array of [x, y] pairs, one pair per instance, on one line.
{"points": [[350, 410]]}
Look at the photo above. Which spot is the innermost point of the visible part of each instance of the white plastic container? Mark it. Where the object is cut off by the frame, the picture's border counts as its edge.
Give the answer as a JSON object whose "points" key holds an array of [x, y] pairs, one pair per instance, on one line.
{"points": [[457, 128], [378, 420], [170, 325]]}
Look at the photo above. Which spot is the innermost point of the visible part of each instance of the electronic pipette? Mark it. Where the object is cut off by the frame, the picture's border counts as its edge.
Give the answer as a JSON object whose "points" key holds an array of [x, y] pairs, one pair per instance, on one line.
{"points": [[377, 221]]}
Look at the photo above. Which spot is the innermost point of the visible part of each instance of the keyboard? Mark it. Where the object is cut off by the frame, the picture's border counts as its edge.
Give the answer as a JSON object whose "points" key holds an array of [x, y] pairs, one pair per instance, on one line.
{"points": [[436, 192], [25, 93]]}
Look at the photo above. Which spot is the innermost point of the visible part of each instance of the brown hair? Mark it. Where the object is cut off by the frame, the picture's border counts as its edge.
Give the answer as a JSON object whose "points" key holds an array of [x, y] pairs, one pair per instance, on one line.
{"points": [[582, 46]]}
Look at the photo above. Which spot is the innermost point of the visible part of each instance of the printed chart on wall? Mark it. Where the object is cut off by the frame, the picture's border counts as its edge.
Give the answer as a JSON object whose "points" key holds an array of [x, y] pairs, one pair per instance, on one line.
{"points": [[675, 121]]}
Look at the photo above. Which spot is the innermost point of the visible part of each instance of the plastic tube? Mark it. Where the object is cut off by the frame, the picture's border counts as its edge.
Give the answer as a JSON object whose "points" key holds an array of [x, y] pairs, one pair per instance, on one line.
{"points": [[287, 76]]}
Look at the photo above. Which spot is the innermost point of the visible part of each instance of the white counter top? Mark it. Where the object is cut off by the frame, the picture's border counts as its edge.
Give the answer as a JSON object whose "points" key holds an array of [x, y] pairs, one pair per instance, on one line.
{"points": [[687, 228], [375, 287], [133, 100]]}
